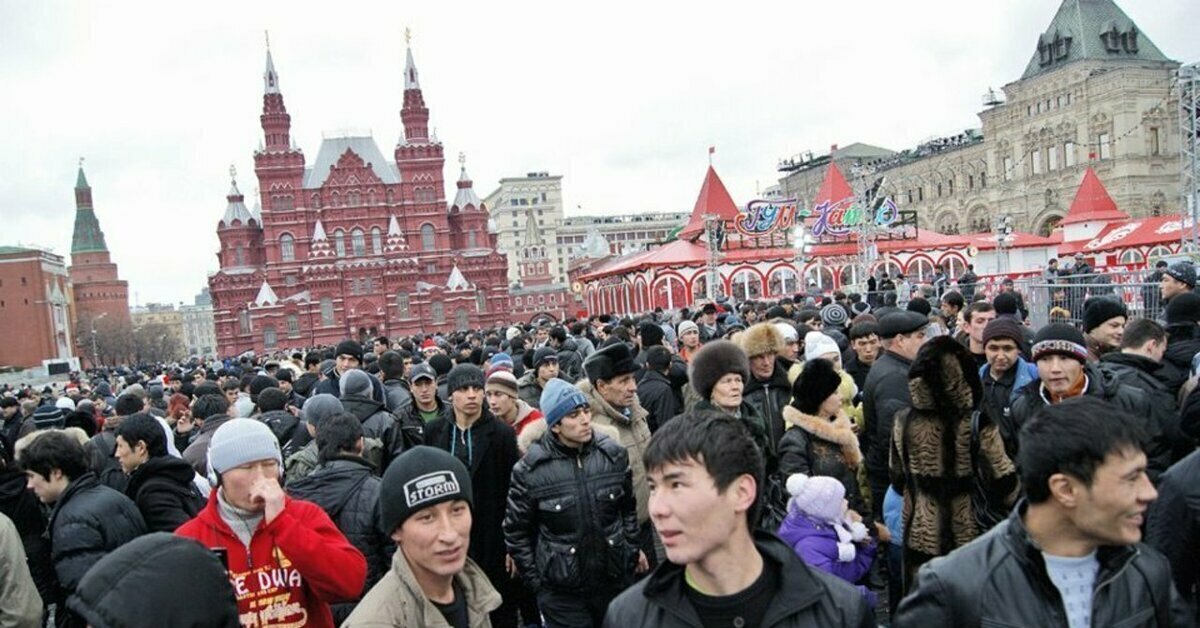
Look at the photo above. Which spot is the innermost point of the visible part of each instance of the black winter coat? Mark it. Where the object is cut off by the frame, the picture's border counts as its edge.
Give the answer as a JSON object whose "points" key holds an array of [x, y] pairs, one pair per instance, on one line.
{"points": [[807, 597], [571, 524], [89, 521], [1000, 580], [658, 398], [163, 491], [885, 394], [769, 398], [305, 383], [1177, 362], [1173, 524], [491, 454], [282, 424], [1144, 374], [348, 491], [103, 463], [570, 364], [397, 396], [818, 446], [1104, 383]]}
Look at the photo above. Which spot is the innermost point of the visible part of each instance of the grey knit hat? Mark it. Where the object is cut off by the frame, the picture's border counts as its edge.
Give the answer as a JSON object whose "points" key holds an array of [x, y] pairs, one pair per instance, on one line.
{"points": [[241, 441], [320, 407], [355, 382]]}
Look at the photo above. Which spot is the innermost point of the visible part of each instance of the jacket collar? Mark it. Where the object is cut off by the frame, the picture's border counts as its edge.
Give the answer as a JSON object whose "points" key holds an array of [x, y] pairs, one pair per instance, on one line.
{"points": [[482, 597], [605, 409], [78, 485], [778, 378], [837, 431], [1112, 558]]}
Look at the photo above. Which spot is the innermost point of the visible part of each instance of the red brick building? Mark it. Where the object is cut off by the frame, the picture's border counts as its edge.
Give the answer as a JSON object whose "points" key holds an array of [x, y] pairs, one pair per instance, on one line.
{"points": [[353, 245], [100, 296], [35, 320]]}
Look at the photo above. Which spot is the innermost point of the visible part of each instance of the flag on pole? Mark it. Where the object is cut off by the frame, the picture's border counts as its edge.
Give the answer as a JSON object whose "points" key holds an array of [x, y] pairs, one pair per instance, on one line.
{"points": [[712, 149]]}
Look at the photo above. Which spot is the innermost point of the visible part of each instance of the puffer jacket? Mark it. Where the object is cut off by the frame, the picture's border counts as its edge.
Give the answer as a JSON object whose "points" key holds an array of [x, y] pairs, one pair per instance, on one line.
{"points": [[529, 389], [1001, 580], [347, 490], [570, 364], [571, 523], [163, 491], [806, 597], [89, 520], [769, 398], [816, 446], [399, 601], [634, 435], [281, 422], [1104, 383]]}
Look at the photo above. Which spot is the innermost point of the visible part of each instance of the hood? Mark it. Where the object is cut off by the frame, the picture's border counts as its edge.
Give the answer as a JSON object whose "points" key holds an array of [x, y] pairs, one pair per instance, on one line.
{"points": [[361, 407], [796, 527], [1103, 379], [1180, 353], [1131, 360], [176, 469], [943, 379], [12, 484], [603, 408], [569, 345], [332, 483]]}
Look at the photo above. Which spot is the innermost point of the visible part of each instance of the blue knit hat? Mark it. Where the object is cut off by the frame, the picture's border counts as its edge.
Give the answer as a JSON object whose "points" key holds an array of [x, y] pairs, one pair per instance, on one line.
{"points": [[560, 399]]}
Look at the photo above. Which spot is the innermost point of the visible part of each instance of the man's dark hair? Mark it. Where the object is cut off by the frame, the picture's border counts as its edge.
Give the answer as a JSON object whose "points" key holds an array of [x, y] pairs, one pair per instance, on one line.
{"points": [[1073, 438], [862, 330], [9, 402], [953, 298], [144, 427], [658, 358], [338, 435], [54, 449], [210, 405], [807, 315], [384, 340], [312, 358], [720, 443], [1139, 331], [558, 333], [206, 388], [128, 404], [391, 364], [577, 329], [978, 307], [231, 384], [244, 384]]}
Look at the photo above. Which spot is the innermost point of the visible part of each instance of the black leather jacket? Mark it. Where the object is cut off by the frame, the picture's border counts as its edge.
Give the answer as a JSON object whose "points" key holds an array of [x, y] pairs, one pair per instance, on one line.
{"points": [[770, 398], [1000, 579], [571, 523]]}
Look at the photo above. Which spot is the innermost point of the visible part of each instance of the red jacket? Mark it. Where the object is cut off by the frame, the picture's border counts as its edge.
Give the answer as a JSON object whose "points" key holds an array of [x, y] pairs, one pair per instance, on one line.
{"points": [[296, 566]]}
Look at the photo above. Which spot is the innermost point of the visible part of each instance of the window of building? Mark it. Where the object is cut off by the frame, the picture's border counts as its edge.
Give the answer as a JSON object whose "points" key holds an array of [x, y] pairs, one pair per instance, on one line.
{"points": [[920, 194], [339, 242], [402, 303], [353, 198], [326, 311], [437, 313], [358, 242], [1052, 158], [1008, 169], [1154, 146], [315, 200], [293, 323], [1105, 141], [950, 186], [244, 321], [269, 337], [289, 280], [287, 247], [939, 190], [462, 319], [1069, 154], [427, 237], [239, 259], [376, 241], [970, 182], [471, 243]]}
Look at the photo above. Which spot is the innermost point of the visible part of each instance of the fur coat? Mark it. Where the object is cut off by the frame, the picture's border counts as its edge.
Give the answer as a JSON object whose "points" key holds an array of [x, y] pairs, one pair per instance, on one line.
{"points": [[931, 455]]}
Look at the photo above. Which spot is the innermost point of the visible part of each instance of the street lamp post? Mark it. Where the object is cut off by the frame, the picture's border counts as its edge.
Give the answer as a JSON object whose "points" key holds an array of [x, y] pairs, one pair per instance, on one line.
{"points": [[803, 248]]}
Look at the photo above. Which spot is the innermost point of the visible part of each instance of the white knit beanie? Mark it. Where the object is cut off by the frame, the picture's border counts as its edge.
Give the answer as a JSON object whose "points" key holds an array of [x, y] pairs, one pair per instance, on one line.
{"points": [[817, 344]]}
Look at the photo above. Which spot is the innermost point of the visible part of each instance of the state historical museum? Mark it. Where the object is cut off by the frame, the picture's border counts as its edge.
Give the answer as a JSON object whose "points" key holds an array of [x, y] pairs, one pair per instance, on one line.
{"points": [[353, 245]]}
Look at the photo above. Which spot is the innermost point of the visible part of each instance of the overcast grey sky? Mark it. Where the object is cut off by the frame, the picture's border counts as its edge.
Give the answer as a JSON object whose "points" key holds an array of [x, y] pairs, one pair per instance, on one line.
{"points": [[623, 99]]}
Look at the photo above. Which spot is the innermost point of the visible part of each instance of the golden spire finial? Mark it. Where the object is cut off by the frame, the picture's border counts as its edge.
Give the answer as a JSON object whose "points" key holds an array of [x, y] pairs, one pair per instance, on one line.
{"points": [[80, 161], [462, 159], [407, 36], [232, 172], [267, 34]]}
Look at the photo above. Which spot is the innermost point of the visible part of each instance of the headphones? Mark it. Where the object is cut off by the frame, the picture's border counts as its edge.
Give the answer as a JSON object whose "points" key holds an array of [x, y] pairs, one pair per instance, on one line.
{"points": [[214, 478]]}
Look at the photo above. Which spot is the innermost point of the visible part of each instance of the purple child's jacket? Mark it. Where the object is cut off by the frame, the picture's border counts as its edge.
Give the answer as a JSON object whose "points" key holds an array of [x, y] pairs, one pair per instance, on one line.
{"points": [[816, 544]]}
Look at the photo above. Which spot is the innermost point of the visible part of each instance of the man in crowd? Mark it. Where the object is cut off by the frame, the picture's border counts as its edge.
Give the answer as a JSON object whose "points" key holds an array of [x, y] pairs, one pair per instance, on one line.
{"points": [[88, 520], [159, 484], [570, 363], [975, 320], [210, 411], [1070, 552], [689, 339], [287, 561], [543, 369], [504, 402], [1004, 376], [864, 350], [952, 304], [655, 391], [1179, 277], [316, 411], [348, 356], [1103, 323], [966, 283], [1138, 364], [488, 448], [427, 507], [707, 325], [566, 536], [312, 374], [706, 474], [768, 390], [392, 369], [427, 406]]}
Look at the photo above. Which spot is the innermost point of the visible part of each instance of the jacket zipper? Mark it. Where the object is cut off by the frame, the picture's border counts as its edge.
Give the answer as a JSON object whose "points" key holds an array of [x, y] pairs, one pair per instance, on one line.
{"points": [[1110, 579]]}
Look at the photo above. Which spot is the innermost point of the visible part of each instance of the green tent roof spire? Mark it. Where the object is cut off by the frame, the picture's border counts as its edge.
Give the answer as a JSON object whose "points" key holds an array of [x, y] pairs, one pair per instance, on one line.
{"points": [[88, 238]]}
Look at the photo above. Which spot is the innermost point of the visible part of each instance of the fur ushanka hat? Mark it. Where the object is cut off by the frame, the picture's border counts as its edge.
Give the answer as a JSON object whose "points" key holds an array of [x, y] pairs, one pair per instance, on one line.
{"points": [[760, 339], [715, 360]]}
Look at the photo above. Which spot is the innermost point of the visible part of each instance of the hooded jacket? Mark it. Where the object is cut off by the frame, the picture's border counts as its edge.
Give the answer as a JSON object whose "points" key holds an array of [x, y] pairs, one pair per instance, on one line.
{"points": [[1001, 580], [299, 563], [163, 491], [347, 490], [571, 522], [196, 453], [1144, 374], [817, 545], [570, 364], [282, 423], [1177, 362], [806, 597], [633, 434], [399, 601], [816, 446]]}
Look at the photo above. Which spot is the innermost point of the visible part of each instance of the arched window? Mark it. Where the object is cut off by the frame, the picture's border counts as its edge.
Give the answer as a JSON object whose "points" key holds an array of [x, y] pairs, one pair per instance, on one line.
{"points": [[287, 247], [438, 313], [239, 256], [244, 321], [293, 324], [954, 266], [471, 239], [376, 241], [462, 319], [1131, 256], [849, 277], [402, 303], [315, 200], [269, 337], [480, 301], [920, 270], [427, 237], [822, 275], [358, 242], [1159, 251], [326, 311], [353, 199], [746, 285], [782, 282], [339, 242]]}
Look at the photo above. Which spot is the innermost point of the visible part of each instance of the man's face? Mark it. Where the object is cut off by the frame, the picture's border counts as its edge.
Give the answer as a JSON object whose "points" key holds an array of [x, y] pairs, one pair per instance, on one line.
{"points": [[949, 310], [231, 395], [1001, 354], [1109, 333], [47, 489], [690, 339], [345, 362], [9, 411], [866, 348], [1059, 373], [1170, 286], [424, 392], [467, 401], [978, 322], [285, 386], [500, 403], [907, 345], [434, 540], [691, 516], [710, 319], [620, 391], [548, 370], [1112, 510], [130, 457], [407, 367], [575, 429], [239, 483], [379, 347], [791, 350], [762, 366], [541, 336], [1006, 287]]}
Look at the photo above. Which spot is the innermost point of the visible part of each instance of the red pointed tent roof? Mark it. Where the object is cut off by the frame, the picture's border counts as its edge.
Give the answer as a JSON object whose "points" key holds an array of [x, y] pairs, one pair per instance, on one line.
{"points": [[834, 187], [1092, 202], [713, 199]]}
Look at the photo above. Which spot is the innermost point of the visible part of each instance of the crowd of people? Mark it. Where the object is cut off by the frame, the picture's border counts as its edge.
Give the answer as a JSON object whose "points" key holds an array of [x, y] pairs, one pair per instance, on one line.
{"points": [[823, 460]]}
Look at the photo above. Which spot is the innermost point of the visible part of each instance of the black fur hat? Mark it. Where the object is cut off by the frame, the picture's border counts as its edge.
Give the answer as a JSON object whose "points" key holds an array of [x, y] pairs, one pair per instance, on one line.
{"points": [[715, 360], [817, 381]]}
